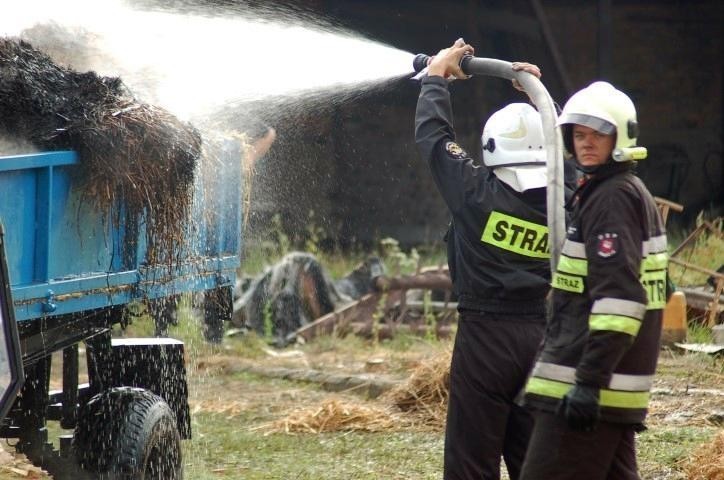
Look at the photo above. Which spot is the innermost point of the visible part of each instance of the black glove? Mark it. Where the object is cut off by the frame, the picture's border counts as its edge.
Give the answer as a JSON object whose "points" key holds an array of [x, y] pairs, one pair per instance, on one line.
{"points": [[580, 408]]}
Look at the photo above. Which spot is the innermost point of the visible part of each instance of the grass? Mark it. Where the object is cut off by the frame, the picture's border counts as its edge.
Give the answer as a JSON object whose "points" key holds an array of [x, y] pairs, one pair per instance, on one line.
{"points": [[228, 406], [226, 449], [706, 251], [397, 261], [661, 451], [225, 444]]}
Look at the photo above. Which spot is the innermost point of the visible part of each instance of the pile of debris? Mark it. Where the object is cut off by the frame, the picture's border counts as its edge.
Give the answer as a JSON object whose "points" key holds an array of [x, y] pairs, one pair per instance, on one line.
{"points": [[132, 154], [294, 292]]}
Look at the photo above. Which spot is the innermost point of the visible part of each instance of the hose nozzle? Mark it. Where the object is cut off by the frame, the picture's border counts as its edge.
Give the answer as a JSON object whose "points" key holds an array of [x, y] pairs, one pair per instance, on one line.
{"points": [[420, 62]]}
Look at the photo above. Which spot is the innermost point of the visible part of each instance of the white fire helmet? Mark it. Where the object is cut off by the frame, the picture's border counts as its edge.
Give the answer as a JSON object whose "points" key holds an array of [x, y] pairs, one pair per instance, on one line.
{"points": [[513, 146], [604, 108]]}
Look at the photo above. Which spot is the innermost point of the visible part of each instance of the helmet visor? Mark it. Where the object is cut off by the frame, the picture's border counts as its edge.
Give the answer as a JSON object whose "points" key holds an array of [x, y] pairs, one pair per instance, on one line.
{"points": [[598, 124]]}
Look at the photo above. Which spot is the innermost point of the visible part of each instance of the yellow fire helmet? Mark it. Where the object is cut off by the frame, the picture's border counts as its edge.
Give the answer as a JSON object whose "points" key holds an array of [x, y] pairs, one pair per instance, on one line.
{"points": [[604, 108]]}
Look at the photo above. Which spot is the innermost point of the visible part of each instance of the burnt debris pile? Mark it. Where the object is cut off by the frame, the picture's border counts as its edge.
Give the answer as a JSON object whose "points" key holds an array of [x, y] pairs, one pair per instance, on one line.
{"points": [[132, 154]]}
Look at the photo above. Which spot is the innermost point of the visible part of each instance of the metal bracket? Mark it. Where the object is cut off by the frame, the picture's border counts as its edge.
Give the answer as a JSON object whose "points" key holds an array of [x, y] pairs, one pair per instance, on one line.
{"points": [[49, 305]]}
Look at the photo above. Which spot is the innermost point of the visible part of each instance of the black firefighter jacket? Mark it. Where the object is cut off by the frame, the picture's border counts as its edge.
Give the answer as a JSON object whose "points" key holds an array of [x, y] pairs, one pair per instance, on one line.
{"points": [[498, 240], [608, 294]]}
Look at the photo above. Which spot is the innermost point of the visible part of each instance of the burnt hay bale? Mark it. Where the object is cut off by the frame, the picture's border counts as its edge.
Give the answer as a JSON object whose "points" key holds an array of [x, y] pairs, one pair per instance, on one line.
{"points": [[131, 153]]}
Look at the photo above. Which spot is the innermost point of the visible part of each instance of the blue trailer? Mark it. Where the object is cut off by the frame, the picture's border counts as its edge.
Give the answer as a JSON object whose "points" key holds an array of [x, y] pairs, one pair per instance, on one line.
{"points": [[68, 271]]}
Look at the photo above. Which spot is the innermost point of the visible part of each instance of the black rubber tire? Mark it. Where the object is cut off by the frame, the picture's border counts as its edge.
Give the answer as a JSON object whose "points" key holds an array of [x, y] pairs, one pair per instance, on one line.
{"points": [[218, 307], [128, 433]]}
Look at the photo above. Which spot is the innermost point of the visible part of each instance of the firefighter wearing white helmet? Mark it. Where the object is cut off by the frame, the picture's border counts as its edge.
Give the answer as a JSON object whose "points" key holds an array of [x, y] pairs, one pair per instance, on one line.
{"points": [[513, 147], [590, 385], [498, 256]]}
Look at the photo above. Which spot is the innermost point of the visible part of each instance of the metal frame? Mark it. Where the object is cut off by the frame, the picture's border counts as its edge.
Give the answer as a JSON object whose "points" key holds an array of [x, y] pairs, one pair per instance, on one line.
{"points": [[10, 331]]}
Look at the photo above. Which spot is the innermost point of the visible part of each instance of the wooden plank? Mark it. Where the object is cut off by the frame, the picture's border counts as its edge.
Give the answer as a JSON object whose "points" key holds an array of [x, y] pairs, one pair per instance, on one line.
{"points": [[427, 280], [697, 231], [435, 307], [677, 207], [360, 310], [700, 299], [714, 305], [714, 274]]}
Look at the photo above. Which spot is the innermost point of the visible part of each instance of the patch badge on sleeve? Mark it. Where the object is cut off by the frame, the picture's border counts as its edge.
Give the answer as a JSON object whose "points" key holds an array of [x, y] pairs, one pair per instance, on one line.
{"points": [[607, 245], [455, 150]]}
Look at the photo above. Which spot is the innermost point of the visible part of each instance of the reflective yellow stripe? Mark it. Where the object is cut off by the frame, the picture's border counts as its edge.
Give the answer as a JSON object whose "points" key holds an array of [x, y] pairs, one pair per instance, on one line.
{"points": [[614, 323], [608, 398], [655, 285], [516, 235], [568, 283], [612, 398], [576, 266], [655, 261], [547, 388]]}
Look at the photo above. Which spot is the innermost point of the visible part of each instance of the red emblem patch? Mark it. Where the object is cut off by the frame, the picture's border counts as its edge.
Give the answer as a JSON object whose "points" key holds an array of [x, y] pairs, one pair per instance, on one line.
{"points": [[607, 245]]}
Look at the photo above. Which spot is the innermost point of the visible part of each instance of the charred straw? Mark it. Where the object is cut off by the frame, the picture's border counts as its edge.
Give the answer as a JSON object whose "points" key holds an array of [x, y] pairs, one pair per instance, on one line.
{"points": [[132, 154]]}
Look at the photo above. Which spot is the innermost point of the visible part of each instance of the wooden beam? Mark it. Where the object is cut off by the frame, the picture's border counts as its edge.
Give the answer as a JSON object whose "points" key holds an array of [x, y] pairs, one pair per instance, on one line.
{"points": [[428, 280], [714, 274]]}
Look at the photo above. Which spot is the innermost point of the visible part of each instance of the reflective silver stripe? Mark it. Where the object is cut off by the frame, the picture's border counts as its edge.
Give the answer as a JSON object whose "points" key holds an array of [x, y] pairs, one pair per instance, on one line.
{"points": [[551, 371], [654, 245], [619, 381], [631, 383], [574, 249], [616, 306]]}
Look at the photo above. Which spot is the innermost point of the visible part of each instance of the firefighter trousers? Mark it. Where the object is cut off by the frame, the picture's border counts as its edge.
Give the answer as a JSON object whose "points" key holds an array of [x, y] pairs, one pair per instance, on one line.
{"points": [[556, 452], [492, 356]]}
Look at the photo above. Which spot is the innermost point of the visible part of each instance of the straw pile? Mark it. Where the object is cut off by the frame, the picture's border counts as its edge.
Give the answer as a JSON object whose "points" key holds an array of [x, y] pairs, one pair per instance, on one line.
{"points": [[421, 402], [334, 415], [133, 154], [708, 462], [426, 392]]}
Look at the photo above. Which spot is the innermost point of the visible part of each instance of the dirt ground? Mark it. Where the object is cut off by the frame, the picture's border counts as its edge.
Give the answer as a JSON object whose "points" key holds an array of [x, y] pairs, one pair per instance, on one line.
{"points": [[239, 390], [687, 406]]}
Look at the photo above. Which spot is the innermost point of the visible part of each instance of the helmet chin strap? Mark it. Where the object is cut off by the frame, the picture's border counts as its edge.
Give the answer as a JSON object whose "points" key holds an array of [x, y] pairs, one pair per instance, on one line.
{"points": [[603, 168], [588, 169]]}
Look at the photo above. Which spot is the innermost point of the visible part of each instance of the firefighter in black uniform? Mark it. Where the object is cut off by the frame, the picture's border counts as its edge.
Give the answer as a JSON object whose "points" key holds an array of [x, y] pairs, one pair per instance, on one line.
{"points": [[590, 385], [499, 263]]}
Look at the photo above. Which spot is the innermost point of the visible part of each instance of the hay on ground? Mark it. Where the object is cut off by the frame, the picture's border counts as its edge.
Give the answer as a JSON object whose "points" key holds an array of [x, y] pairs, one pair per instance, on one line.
{"points": [[334, 415], [707, 462], [132, 154], [421, 402], [426, 392]]}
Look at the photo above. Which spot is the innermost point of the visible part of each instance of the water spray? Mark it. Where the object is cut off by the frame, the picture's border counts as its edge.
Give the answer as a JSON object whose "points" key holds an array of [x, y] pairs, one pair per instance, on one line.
{"points": [[553, 141]]}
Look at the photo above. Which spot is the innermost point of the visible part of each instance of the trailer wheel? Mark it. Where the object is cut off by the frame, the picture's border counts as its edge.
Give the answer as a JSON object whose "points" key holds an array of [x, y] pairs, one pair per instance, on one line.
{"points": [[128, 434], [218, 307]]}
